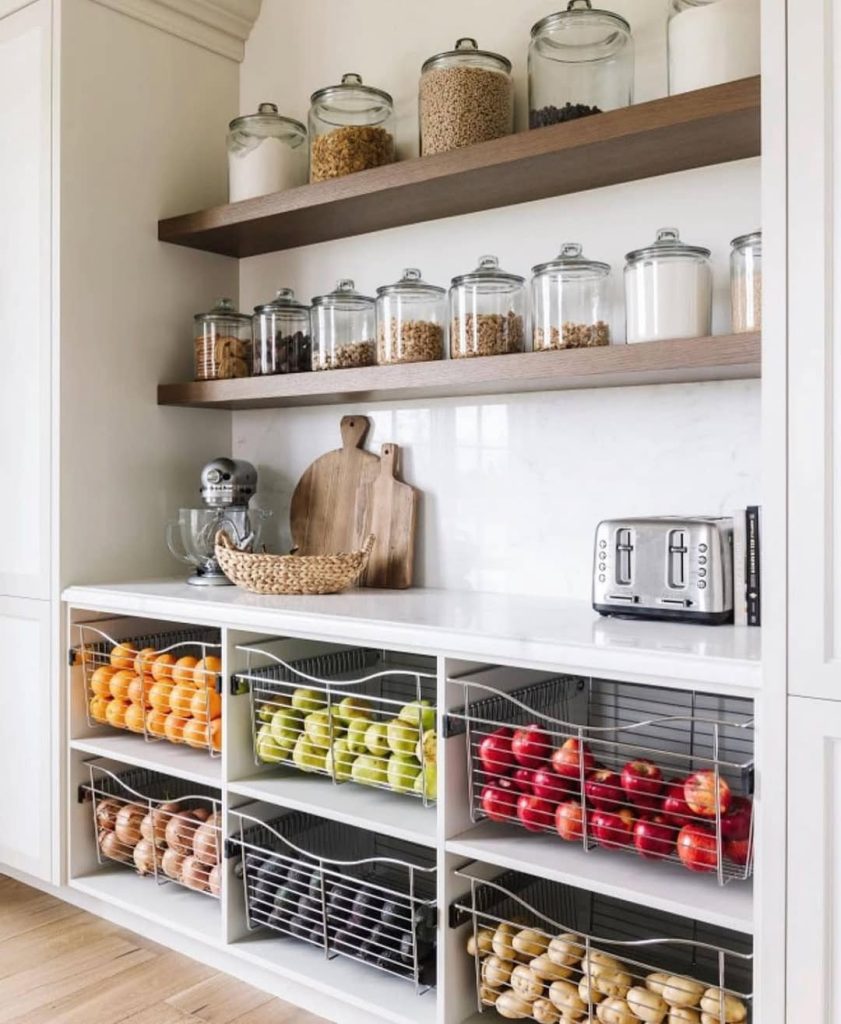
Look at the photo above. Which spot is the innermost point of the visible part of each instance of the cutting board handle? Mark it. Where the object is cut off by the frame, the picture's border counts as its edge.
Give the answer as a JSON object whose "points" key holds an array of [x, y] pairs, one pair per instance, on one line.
{"points": [[388, 460], [354, 429]]}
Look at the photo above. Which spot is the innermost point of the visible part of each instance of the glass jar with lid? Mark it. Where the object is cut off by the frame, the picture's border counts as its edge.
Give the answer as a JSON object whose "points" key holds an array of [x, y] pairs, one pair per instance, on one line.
{"points": [[351, 128], [466, 95], [281, 329], [410, 320], [487, 312], [712, 41], [344, 328], [222, 341], [581, 61], [746, 283], [570, 301], [266, 153], [668, 290]]}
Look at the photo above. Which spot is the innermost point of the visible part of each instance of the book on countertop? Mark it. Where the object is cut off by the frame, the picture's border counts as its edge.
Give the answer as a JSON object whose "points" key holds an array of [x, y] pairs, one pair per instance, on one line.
{"points": [[753, 576], [740, 593]]}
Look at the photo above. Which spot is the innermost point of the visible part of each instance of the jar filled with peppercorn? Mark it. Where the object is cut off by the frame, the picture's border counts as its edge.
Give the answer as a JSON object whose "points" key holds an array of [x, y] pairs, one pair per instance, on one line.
{"points": [[581, 61], [343, 329], [350, 129], [282, 342], [410, 320], [487, 312], [222, 342], [570, 301]]}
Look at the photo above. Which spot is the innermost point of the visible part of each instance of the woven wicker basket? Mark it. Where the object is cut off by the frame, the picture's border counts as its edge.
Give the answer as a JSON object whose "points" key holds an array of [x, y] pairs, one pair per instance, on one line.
{"points": [[290, 574]]}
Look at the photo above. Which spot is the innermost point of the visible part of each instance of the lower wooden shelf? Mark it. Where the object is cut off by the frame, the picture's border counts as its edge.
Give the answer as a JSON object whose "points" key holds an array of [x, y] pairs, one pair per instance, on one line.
{"points": [[681, 361]]}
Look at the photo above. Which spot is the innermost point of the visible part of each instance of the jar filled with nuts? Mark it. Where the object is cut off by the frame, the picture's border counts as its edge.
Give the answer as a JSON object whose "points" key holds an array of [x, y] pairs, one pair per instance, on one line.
{"points": [[569, 301], [222, 340], [466, 96], [410, 320], [350, 129], [282, 342], [487, 312], [343, 329]]}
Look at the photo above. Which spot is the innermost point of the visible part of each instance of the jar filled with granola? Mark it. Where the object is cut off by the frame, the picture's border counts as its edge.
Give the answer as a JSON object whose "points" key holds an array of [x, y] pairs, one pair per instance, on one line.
{"points": [[487, 312], [570, 301], [351, 128], [222, 341], [410, 320], [344, 329]]}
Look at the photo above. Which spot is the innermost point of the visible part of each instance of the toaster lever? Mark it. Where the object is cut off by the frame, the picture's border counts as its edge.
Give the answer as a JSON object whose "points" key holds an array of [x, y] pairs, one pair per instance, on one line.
{"points": [[676, 601], [625, 598]]}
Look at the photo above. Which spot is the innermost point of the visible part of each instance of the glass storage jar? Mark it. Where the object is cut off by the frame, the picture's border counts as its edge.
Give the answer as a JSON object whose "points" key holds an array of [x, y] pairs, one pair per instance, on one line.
{"points": [[746, 283], [266, 153], [570, 302], [581, 61], [410, 320], [466, 95], [712, 41], [351, 129], [344, 328], [222, 339], [668, 290], [487, 312], [281, 329]]}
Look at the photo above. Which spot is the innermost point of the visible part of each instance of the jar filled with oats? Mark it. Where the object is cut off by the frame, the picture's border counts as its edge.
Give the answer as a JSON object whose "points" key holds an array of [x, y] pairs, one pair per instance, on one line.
{"points": [[351, 128], [410, 320], [466, 95], [222, 342], [344, 327], [569, 301], [487, 312]]}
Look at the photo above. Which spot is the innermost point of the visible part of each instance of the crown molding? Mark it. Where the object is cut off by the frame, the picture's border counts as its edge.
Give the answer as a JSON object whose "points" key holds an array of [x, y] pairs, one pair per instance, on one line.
{"points": [[13, 6], [221, 26]]}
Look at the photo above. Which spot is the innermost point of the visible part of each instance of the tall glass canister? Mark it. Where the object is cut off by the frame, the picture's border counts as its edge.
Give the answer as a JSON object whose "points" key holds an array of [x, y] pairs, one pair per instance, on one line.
{"points": [[570, 302], [487, 312], [344, 328], [746, 282], [711, 42], [222, 342], [282, 342], [351, 128], [411, 316]]}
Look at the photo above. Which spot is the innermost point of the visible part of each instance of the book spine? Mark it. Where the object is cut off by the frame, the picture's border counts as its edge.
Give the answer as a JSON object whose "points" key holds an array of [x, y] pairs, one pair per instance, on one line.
{"points": [[740, 600], [754, 582]]}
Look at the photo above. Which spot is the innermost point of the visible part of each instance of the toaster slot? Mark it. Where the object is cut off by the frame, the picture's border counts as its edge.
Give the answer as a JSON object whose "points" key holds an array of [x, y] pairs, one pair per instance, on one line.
{"points": [[624, 556], [678, 553]]}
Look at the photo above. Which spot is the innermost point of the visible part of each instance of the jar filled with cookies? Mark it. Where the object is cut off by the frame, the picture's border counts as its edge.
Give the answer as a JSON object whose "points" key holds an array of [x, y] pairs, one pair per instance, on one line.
{"points": [[222, 342], [487, 312], [344, 329], [411, 314]]}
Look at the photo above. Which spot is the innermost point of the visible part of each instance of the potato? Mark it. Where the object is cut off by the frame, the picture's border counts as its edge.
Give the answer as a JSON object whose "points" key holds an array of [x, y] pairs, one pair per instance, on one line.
{"points": [[564, 995], [488, 995], [647, 1005], [683, 1015], [657, 982], [502, 942], [615, 1011], [707, 1018], [565, 950], [596, 963], [496, 972], [613, 984], [510, 1005], [735, 1010], [481, 942], [680, 991], [587, 988], [530, 943], [544, 1012], [526, 983], [546, 969]]}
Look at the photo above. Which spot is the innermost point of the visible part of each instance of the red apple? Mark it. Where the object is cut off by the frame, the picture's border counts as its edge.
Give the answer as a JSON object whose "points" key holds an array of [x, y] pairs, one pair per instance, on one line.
{"points": [[738, 850], [499, 800], [603, 789], [675, 808], [535, 814], [613, 829], [699, 793], [531, 746], [548, 786], [495, 752], [643, 783], [696, 847], [736, 823], [569, 821], [523, 779], [654, 838], [568, 759]]}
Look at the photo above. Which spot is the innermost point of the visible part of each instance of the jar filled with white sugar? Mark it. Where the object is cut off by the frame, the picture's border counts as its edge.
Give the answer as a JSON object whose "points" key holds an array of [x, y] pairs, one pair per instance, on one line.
{"points": [[668, 290], [266, 153], [712, 41]]}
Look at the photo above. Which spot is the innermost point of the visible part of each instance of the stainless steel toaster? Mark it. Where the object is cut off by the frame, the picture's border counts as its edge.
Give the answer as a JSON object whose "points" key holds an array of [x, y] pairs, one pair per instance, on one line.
{"points": [[665, 567]]}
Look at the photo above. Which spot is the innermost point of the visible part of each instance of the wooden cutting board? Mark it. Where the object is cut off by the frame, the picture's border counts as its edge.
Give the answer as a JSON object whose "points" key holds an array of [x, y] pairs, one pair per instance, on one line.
{"points": [[393, 508]]}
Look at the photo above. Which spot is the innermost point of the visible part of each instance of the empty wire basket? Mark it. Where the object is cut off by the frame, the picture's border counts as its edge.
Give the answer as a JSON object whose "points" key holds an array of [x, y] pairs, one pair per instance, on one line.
{"points": [[347, 891]]}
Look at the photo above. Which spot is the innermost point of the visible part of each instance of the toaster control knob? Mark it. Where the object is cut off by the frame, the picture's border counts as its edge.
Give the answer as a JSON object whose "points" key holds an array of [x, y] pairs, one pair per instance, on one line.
{"points": [[702, 560], [702, 547], [702, 572], [601, 579], [702, 584]]}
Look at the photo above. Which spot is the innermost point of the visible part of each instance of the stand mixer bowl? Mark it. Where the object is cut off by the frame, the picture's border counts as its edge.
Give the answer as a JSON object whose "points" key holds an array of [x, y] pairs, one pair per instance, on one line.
{"points": [[192, 538]]}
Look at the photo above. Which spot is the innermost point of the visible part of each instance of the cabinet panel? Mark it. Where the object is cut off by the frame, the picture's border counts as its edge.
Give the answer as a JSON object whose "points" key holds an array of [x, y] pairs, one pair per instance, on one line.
{"points": [[25, 307], [26, 734]]}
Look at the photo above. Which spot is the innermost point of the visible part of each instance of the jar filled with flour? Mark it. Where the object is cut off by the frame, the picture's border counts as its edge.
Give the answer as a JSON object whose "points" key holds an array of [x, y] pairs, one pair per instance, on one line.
{"points": [[712, 41], [668, 290], [266, 153]]}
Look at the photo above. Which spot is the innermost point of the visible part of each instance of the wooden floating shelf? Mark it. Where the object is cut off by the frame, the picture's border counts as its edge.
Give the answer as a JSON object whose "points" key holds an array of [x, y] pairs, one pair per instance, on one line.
{"points": [[727, 357], [696, 129]]}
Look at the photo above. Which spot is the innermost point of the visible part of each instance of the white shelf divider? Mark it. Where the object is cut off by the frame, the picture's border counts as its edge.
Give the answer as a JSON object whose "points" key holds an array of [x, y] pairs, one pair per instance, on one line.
{"points": [[170, 758]]}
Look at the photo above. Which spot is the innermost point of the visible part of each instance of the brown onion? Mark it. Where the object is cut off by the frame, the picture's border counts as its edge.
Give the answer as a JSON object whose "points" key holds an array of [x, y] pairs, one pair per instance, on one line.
{"points": [[127, 824], [214, 880], [153, 827], [195, 875], [171, 863], [106, 813], [113, 849], [202, 813], [206, 841], [146, 858], [180, 830]]}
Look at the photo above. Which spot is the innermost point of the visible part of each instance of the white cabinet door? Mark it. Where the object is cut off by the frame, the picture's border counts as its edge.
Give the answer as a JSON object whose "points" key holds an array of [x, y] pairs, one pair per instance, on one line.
{"points": [[27, 703], [25, 306]]}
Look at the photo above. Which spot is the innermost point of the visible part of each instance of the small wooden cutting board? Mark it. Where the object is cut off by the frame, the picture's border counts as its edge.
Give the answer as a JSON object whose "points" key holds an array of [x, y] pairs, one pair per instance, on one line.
{"points": [[393, 514]]}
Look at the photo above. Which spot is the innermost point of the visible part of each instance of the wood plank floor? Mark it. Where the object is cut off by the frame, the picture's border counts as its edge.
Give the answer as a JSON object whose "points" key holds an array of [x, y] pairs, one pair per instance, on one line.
{"points": [[61, 965]]}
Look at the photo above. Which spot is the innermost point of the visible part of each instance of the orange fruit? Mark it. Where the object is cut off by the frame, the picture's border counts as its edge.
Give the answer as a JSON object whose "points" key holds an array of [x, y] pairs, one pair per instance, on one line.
{"points": [[143, 662], [135, 717], [183, 671], [115, 713], [207, 671], [156, 723], [174, 728], [100, 680], [162, 667], [120, 683], [159, 695], [206, 704], [216, 734], [122, 656], [138, 690], [99, 709], [181, 699], [196, 734]]}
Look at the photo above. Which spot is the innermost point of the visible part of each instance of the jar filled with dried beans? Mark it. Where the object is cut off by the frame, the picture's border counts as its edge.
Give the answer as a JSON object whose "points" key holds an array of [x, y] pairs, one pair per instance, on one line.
{"points": [[570, 301], [466, 95], [350, 129], [222, 342], [487, 312], [282, 342], [410, 320], [344, 327]]}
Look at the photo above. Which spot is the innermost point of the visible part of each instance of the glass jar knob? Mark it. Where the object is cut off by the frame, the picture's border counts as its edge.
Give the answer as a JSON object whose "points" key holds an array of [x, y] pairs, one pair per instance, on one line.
{"points": [[466, 43], [488, 263], [668, 235], [346, 285], [225, 306], [351, 78], [267, 108], [284, 294], [571, 250], [411, 274], [583, 5]]}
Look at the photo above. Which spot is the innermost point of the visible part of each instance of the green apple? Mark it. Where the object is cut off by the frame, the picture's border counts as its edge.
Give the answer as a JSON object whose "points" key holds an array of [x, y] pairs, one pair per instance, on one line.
{"points": [[307, 700], [402, 737], [356, 735], [307, 757], [402, 772], [353, 707], [370, 770], [286, 726], [426, 750], [376, 738], [426, 784], [339, 761], [419, 713], [267, 747], [319, 729]]}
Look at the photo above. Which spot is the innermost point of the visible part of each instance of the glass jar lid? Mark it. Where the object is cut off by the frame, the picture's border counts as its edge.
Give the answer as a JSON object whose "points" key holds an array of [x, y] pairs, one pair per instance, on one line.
{"points": [[344, 296], [570, 261], [751, 240], [668, 243], [488, 272], [223, 311], [412, 283], [283, 302], [351, 97], [267, 121], [581, 33], [466, 53]]}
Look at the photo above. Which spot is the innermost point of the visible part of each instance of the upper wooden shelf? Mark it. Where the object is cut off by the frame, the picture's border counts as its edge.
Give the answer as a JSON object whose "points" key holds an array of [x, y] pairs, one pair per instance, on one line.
{"points": [[710, 126]]}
